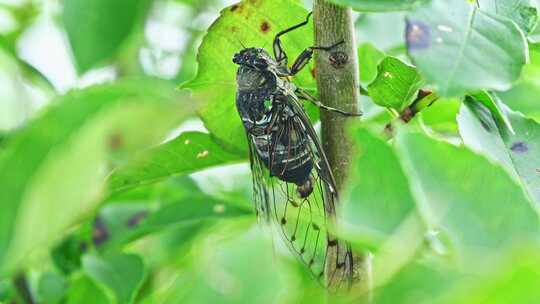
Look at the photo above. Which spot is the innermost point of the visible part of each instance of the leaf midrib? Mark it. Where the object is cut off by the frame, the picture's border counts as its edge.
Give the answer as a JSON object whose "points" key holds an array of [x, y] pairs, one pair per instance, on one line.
{"points": [[461, 53]]}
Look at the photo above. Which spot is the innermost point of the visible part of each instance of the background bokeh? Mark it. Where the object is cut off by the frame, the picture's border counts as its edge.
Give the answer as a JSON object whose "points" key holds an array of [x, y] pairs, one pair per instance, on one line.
{"points": [[124, 173]]}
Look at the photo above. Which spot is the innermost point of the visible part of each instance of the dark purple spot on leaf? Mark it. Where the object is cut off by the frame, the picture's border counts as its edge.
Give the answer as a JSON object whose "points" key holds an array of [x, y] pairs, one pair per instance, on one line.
{"points": [[137, 218], [100, 233], [519, 147], [236, 7], [418, 35], [83, 247]]}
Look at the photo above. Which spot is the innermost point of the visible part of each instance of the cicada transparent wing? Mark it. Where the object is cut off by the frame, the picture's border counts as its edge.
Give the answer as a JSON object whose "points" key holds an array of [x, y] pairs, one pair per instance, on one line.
{"points": [[302, 221]]}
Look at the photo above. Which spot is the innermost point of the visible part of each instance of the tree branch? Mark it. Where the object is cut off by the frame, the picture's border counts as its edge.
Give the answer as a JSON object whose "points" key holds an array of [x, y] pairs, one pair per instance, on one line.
{"points": [[338, 77]]}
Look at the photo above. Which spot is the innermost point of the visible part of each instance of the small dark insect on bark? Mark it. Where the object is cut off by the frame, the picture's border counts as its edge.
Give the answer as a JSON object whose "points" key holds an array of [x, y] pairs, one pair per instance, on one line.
{"points": [[338, 59], [293, 183]]}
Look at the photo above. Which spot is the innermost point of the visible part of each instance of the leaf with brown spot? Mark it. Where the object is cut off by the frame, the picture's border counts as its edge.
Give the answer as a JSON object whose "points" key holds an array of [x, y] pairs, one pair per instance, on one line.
{"points": [[215, 84], [265, 27]]}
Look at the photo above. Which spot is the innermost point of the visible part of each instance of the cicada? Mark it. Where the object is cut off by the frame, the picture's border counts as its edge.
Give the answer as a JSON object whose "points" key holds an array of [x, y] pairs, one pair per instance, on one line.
{"points": [[293, 183]]}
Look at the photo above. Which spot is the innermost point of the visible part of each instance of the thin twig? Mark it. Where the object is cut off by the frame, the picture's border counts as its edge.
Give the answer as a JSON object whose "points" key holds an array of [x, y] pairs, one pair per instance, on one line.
{"points": [[424, 100]]}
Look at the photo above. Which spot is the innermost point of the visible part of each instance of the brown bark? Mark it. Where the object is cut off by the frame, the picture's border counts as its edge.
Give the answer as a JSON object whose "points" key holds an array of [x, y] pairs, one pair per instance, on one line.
{"points": [[338, 76]]}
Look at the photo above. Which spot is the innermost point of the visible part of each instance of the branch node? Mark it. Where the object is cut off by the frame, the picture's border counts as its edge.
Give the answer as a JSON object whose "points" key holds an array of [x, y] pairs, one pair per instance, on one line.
{"points": [[338, 59]]}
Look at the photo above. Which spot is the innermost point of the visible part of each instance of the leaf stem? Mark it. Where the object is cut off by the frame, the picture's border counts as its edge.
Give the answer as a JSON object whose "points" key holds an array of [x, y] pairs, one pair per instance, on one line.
{"points": [[424, 100]]}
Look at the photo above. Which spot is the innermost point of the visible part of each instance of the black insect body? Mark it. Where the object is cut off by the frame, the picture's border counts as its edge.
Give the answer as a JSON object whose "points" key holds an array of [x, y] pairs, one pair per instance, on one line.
{"points": [[266, 115], [292, 181]]}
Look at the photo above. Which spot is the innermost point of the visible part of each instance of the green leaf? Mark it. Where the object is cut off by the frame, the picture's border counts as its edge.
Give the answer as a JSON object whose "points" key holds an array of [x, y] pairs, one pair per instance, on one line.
{"points": [[51, 288], [128, 222], [121, 275], [60, 161], [440, 117], [374, 207], [465, 196], [396, 84], [6, 290], [437, 280], [82, 290], [97, 29], [495, 107], [455, 47], [188, 153], [522, 12], [480, 133], [167, 207], [523, 96], [380, 5], [220, 271], [169, 190], [67, 254], [16, 101], [369, 57], [418, 282], [514, 280], [515, 151], [384, 35], [254, 24]]}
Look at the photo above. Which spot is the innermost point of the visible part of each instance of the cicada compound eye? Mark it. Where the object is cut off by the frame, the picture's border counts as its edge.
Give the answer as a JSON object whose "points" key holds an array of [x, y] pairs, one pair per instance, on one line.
{"points": [[237, 58]]}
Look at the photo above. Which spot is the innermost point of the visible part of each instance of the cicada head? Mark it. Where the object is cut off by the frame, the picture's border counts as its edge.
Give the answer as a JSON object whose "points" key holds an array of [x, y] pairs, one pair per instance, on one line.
{"points": [[255, 58]]}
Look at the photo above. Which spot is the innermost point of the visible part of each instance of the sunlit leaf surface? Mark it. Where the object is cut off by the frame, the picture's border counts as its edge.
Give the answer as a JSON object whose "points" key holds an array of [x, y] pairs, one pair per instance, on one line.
{"points": [[65, 167], [454, 45]]}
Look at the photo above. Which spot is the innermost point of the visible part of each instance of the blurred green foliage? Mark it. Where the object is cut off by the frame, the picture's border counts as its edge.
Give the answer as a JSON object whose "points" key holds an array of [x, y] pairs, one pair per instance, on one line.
{"points": [[110, 195]]}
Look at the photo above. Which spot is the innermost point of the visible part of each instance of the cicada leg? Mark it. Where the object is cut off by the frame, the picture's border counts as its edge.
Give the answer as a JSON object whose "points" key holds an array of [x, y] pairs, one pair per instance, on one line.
{"points": [[304, 58], [279, 52], [302, 94]]}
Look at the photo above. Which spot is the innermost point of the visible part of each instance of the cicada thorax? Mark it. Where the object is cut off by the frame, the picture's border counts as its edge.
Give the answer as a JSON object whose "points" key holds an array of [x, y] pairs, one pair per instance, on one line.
{"points": [[254, 95], [262, 101]]}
